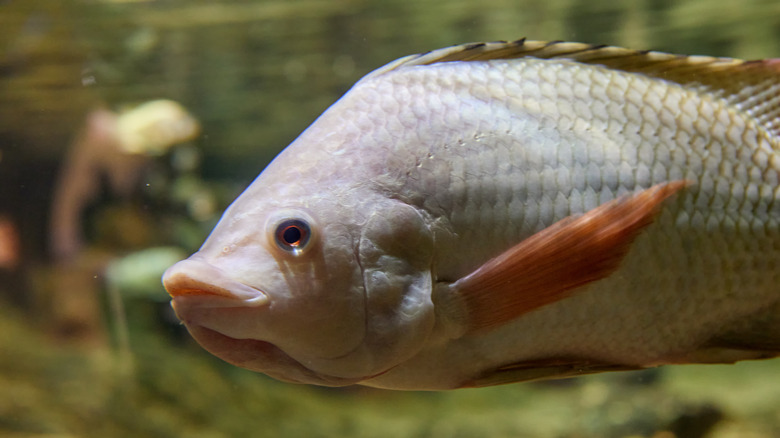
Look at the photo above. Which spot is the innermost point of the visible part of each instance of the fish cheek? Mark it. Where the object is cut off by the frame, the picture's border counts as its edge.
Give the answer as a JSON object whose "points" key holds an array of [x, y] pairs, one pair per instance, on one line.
{"points": [[320, 313], [396, 250]]}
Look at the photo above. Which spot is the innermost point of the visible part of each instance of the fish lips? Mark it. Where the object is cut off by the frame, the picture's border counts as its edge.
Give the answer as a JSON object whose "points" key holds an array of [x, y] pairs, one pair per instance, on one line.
{"points": [[194, 278]]}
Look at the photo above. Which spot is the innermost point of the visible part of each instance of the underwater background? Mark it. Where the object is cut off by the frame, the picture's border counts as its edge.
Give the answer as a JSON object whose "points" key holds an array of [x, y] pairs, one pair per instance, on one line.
{"points": [[88, 343]]}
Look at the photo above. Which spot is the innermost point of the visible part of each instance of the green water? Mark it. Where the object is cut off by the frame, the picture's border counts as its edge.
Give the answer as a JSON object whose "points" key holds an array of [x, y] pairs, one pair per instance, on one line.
{"points": [[89, 347]]}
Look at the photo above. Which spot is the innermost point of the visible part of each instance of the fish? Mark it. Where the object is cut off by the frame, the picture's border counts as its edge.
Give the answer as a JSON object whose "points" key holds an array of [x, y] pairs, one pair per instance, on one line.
{"points": [[502, 212]]}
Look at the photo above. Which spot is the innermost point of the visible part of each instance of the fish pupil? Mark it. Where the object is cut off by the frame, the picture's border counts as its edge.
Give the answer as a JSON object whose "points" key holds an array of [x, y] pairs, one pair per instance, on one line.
{"points": [[292, 235]]}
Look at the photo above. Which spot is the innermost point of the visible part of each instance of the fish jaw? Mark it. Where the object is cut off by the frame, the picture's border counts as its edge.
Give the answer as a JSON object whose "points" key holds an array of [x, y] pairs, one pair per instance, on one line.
{"points": [[203, 296], [201, 293], [263, 357], [198, 289]]}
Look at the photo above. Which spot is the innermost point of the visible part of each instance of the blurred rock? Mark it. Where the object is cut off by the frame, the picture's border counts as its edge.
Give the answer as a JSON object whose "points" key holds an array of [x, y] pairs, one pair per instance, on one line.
{"points": [[696, 421]]}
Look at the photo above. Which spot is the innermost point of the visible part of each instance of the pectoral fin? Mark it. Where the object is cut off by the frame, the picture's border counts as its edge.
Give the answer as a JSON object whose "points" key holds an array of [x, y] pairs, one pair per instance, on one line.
{"points": [[551, 264]]}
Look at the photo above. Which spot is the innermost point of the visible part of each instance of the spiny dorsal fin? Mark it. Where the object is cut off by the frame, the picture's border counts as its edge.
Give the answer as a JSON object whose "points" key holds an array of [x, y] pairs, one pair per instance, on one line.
{"points": [[751, 86]]}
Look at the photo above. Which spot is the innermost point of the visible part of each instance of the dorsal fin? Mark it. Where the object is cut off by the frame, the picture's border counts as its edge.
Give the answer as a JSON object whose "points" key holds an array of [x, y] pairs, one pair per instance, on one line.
{"points": [[751, 86]]}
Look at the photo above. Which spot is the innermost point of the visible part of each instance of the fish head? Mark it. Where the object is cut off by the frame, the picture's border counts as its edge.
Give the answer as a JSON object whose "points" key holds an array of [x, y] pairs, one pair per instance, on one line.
{"points": [[328, 287]]}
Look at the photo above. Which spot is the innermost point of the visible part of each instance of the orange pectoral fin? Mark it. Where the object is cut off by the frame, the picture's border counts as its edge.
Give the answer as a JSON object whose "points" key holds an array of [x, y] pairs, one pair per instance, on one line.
{"points": [[551, 264]]}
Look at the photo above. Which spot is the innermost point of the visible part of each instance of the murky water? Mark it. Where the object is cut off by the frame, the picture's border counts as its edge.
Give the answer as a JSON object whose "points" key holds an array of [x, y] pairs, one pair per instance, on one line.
{"points": [[88, 345]]}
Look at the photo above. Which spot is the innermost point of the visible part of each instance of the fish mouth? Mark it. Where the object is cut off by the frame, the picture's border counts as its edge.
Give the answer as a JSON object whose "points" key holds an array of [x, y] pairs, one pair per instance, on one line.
{"points": [[198, 288], [263, 357], [194, 278]]}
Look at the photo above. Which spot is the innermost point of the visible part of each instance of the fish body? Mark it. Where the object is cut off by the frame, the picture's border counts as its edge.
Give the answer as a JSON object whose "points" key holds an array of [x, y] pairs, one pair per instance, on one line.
{"points": [[501, 212]]}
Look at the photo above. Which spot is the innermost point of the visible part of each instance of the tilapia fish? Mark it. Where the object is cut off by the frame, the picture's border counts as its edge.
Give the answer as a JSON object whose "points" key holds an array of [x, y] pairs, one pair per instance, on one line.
{"points": [[500, 212]]}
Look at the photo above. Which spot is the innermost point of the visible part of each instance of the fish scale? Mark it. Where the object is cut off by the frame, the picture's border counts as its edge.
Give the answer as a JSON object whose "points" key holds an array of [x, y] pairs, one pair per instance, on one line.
{"points": [[543, 205], [501, 212]]}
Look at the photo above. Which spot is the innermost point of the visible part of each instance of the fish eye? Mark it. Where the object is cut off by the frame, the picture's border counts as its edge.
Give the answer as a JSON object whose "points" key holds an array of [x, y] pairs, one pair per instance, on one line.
{"points": [[292, 235]]}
